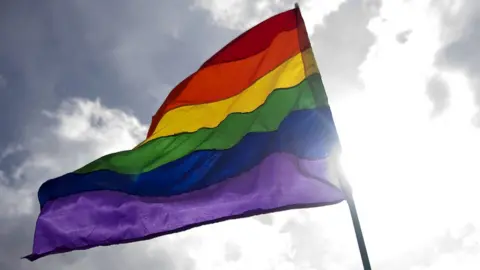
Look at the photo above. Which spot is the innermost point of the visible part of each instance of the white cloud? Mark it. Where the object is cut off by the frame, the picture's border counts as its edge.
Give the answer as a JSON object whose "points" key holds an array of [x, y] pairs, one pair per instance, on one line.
{"points": [[241, 14], [82, 130], [85, 121], [414, 177], [314, 12]]}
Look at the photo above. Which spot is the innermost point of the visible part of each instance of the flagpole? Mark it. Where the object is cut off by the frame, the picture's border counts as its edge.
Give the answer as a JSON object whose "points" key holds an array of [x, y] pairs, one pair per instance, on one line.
{"points": [[356, 223]]}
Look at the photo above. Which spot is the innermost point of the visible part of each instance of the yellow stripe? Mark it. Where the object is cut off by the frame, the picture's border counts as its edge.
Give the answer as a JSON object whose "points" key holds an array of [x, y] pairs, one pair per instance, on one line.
{"points": [[209, 115]]}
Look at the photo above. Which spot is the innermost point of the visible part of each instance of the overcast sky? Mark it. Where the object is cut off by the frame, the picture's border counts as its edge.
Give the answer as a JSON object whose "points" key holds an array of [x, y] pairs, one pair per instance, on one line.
{"points": [[80, 79]]}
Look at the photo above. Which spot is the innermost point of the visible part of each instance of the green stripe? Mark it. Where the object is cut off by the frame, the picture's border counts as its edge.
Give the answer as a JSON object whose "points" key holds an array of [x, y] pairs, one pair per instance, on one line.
{"points": [[264, 119]]}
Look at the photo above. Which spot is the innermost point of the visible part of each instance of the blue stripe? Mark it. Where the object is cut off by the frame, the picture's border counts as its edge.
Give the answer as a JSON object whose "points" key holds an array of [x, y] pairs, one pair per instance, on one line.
{"points": [[308, 134]]}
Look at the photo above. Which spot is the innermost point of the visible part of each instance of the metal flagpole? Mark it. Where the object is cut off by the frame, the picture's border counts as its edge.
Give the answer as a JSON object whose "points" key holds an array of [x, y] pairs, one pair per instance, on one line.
{"points": [[353, 210], [356, 222]]}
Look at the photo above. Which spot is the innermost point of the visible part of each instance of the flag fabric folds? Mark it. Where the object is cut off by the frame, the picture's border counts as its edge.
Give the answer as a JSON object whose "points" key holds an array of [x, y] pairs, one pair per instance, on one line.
{"points": [[250, 132]]}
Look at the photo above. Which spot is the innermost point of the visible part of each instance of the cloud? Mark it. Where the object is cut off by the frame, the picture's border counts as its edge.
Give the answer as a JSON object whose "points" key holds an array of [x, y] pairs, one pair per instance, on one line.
{"points": [[150, 48], [460, 31], [129, 54], [240, 15], [341, 45], [438, 92], [408, 169], [402, 37], [232, 252]]}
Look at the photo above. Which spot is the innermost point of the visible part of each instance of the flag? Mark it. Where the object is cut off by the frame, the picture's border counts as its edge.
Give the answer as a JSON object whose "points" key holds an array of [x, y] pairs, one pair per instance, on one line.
{"points": [[250, 132]]}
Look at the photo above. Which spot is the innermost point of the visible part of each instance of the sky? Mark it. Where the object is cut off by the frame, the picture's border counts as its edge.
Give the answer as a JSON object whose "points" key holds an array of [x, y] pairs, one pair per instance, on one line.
{"points": [[80, 79]]}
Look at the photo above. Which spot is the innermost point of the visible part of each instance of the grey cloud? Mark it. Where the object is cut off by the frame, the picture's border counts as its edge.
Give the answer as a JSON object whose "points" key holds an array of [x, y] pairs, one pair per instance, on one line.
{"points": [[476, 120], [243, 14], [265, 219], [372, 5], [461, 29], [342, 44], [15, 236], [310, 245], [232, 252], [128, 54], [430, 252], [402, 37], [132, 256], [438, 92]]}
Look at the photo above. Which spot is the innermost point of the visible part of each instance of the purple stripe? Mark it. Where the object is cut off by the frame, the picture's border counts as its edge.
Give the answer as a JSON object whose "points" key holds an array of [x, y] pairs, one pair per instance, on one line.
{"points": [[97, 218]]}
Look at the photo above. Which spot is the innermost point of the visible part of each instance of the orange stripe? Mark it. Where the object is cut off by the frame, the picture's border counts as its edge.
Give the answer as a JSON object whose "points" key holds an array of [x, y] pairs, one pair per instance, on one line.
{"points": [[222, 81]]}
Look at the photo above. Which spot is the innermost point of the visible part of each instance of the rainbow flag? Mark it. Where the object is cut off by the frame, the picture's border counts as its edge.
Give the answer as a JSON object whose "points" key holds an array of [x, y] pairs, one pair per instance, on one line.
{"points": [[250, 132]]}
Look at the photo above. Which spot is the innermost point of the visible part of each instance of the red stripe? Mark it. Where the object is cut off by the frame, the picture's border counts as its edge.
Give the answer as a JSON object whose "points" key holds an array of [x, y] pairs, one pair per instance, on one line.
{"points": [[256, 39], [303, 38]]}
